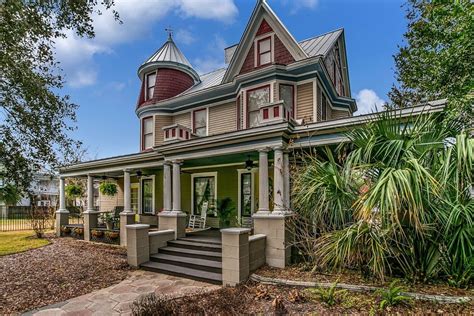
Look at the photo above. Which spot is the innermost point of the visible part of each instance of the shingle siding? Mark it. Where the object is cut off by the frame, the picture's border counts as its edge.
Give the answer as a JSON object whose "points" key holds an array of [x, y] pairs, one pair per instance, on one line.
{"points": [[336, 114], [304, 102], [222, 118]]}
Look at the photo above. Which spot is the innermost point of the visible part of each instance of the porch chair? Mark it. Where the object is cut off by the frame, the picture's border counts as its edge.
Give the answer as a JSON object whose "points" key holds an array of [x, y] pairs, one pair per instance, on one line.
{"points": [[199, 221]]}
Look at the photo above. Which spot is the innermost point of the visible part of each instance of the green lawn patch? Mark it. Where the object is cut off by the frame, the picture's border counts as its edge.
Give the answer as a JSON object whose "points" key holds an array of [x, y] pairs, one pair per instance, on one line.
{"points": [[13, 242]]}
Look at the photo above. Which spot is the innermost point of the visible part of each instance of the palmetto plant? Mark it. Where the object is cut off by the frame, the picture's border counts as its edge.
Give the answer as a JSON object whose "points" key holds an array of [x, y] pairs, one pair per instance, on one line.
{"points": [[405, 199]]}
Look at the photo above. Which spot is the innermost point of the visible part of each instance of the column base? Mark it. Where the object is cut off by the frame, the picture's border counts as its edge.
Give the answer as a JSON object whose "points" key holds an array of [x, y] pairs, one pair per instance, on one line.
{"points": [[126, 218], [175, 220], [262, 212], [279, 237], [62, 218]]}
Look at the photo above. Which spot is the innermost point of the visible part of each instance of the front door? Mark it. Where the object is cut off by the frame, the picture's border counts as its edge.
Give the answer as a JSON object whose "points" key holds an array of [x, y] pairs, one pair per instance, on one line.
{"points": [[246, 196]]}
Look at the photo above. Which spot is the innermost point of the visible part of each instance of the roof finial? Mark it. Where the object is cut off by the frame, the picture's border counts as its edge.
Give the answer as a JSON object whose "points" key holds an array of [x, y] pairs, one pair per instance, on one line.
{"points": [[170, 32]]}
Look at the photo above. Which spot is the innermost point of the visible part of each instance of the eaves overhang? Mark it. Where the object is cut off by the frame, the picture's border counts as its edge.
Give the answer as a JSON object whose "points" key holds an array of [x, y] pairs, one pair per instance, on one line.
{"points": [[135, 160], [145, 68]]}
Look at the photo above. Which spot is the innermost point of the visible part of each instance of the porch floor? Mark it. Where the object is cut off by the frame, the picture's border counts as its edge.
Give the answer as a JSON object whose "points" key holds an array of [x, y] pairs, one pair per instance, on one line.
{"points": [[212, 235]]}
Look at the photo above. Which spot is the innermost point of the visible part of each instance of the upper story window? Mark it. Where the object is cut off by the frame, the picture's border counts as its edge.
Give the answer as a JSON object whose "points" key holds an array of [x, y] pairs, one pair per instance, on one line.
{"points": [[287, 94], [147, 133], [200, 122], [264, 51], [255, 99], [150, 85]]}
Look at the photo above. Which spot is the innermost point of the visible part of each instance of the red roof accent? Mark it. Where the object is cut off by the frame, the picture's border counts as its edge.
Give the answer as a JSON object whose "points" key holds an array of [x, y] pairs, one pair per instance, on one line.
{"points": [[264, 28]]}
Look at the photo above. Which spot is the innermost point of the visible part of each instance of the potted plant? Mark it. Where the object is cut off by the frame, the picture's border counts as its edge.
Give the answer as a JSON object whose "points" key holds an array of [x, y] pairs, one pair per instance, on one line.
{"points": [[79, 231], [225, 208], [108, 188], [109, 220], [112, 235], [66, 230], [73, 190], [97, 233]]}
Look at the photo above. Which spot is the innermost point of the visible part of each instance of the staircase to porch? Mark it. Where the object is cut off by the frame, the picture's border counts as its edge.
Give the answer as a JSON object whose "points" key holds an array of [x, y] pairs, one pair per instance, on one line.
{"points": [[194, 257]]}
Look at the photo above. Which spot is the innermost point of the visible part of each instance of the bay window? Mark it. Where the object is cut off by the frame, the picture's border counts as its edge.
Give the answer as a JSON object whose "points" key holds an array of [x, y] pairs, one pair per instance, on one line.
{"points": [[255, 99], [147, 133], [264, 51], [150, 85], [200, 122]]}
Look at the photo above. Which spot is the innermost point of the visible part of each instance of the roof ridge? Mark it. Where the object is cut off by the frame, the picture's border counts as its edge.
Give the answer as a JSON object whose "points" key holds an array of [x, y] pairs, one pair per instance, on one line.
{"points": [[310, 38], [210, 72]]}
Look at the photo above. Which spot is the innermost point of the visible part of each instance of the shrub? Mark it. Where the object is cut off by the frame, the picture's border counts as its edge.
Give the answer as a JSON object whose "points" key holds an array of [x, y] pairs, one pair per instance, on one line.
{"points": [[153, 305], [329, 295], [393, 296]]}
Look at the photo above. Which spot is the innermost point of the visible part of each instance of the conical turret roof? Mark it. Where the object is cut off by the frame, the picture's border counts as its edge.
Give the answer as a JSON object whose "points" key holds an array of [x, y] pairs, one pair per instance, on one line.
{"points": [[169, 56], [169, 52]]}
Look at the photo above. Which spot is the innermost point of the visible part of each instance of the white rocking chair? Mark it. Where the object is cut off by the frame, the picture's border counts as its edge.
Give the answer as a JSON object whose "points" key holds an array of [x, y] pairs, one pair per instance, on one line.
{"points": [[199, 221]]}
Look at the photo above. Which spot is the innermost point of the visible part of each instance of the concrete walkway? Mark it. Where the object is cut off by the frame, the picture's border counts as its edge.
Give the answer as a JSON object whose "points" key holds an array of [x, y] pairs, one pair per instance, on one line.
{"points": [[116, 299]]}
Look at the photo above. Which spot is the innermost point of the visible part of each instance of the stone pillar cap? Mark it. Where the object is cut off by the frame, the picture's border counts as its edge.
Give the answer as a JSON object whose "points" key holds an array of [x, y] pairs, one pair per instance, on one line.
{"points": [[235, 231], [138, 226]]}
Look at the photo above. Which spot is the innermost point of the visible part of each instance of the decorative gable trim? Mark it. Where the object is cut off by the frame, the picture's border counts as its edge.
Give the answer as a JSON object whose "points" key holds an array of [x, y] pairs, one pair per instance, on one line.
{"points": [[261, 20]]}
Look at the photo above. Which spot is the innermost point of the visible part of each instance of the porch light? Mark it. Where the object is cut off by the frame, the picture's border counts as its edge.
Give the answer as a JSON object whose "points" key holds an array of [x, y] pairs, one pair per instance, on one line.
{"points": [[139, 174], [248, 164]]}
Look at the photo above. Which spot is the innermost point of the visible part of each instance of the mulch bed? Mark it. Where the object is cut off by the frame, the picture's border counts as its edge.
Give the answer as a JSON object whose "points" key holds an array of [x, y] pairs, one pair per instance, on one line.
{"points": [[258, 299], [297, 272], [62, 270]]}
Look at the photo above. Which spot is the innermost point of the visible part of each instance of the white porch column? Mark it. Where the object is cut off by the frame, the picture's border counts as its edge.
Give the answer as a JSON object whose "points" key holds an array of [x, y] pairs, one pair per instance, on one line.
{"points": [[127, 192], [90, 193], [286, 180], [90, 215], [167, 186], [62, 214], [263, 203], [177, 186], [127, 217], [278, 181]]}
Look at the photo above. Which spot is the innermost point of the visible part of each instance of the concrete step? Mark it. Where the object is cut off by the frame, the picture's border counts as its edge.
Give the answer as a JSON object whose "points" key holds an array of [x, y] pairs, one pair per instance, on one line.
{"points": [[185, 272], [191, 253], [195, 245], [194, 263], [202, 239]]}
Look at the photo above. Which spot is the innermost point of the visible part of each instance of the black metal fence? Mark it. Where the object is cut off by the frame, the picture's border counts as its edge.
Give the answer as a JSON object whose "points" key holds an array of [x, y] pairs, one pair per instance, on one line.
{"points": [[19, 217]]}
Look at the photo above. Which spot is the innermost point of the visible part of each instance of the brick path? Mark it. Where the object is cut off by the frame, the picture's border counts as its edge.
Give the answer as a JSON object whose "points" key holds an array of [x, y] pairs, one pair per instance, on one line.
{"points": [[116, 300]]}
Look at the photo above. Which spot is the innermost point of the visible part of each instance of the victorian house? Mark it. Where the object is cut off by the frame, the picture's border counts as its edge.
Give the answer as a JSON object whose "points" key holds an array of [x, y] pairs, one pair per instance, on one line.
{"points": [[227, 134]]}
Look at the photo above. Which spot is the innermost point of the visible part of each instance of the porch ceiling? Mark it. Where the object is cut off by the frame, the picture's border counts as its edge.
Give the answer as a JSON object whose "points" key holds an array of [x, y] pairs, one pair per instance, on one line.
{"points": [[224, 159]]}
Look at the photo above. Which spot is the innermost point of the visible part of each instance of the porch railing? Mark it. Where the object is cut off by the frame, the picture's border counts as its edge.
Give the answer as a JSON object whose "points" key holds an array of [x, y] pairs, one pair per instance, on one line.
{"points": [[177, 132]]}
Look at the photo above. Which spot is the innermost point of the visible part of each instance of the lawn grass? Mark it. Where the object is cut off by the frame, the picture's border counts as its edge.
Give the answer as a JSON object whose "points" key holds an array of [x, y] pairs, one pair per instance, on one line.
{"points": [[19, 241]]}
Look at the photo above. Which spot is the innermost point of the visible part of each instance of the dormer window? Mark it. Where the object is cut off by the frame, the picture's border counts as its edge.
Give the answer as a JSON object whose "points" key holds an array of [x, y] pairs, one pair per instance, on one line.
{"points": [[147, 133], [264, 51], [150, 85], [200, 122]]}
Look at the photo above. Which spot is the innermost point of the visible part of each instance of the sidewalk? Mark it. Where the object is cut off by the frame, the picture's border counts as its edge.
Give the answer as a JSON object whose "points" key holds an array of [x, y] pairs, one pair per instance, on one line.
{"points": [[117, 299]]}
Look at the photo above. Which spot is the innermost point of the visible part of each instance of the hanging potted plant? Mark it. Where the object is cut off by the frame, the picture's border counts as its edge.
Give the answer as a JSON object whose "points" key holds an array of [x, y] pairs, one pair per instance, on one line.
{"points": [[73, 191], [108, 188]]}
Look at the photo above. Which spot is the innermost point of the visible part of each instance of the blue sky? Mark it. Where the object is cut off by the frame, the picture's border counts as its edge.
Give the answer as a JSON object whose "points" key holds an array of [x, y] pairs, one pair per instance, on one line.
{"points": [[102, 77]]}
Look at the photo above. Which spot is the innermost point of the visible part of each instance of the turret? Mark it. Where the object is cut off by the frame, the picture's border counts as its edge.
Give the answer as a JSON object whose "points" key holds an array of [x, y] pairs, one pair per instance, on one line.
{"points": [[165, 74]]}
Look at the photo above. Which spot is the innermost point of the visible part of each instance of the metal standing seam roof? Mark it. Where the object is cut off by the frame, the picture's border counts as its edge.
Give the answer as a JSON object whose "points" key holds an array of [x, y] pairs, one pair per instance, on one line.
{"points": [[320, 45], [169, 52]]}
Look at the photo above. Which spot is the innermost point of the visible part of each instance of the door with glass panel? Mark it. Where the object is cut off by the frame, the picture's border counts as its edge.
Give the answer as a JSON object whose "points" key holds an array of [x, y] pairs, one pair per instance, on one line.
{"points": [[204, 191], [246, 197]]}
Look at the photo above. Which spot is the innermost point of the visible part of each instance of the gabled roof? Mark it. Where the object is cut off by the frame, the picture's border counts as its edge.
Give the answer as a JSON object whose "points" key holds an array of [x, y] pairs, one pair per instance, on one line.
{"points": [[169, 52], [262, 12], [321, 44]]}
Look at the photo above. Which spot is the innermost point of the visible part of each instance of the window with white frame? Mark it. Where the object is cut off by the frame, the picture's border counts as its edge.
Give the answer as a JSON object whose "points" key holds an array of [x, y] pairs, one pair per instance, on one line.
{"points": [[264, 51], [147, 133], [150, 85], [200, 122], [255, 99]]}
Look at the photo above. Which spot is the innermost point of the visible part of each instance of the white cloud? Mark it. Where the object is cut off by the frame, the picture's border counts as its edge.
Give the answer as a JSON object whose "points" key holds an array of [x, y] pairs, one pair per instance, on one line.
{"points": [[297, 5], [214, 59], [77, 54], [185, 37], [368, 101]]}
